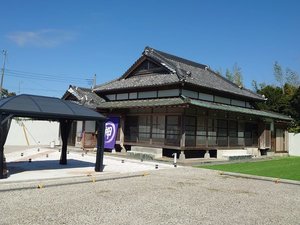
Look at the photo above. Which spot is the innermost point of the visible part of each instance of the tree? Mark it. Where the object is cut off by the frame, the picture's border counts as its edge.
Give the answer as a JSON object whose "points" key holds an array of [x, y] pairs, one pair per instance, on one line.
{"points": [[235, 75], [257, 86], [292, 77], [295, 103], [289, 77], [274, 96], [278, 74], [6, 93], [284, 100], [229, 75], [284, 97]]}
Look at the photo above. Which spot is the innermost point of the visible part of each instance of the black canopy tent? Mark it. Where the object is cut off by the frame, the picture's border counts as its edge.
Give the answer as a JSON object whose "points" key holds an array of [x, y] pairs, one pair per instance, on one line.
{"points": [[54, 109]]}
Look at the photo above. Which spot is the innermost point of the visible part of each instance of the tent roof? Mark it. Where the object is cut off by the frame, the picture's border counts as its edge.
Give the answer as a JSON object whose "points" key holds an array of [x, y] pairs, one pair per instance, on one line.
{"points": [[41, 107]]}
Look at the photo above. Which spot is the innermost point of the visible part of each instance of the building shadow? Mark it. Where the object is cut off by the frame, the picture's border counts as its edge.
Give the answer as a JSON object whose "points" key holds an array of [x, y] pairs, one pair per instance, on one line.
{"points": [[21, 166]]}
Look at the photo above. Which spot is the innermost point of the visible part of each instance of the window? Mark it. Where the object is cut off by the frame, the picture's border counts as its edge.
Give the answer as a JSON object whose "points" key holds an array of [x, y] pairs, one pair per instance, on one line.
{"points": [[248, 105], [251, 135], [190, 131], [206, 97], [238, 103], [133, 95], [233, 132], [212, 132], [241, 133], [173, 130], [222, 100], [148, 94], [201, 131], [191, 94], [168, 93], [144, 128], [111, 97], [222, 133], [122, 96], [131, 128], [158, 129]]}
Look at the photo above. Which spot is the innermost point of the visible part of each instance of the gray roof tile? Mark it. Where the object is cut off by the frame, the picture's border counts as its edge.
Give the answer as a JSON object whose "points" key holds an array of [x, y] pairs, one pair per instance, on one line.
{"points": [[142, 103], [181, 70], [149, 80], [85, 96], [183, 101]]}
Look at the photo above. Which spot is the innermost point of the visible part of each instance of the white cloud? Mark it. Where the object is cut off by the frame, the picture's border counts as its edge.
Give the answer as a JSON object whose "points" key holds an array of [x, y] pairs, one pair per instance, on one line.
{"points": [[41, 38]]}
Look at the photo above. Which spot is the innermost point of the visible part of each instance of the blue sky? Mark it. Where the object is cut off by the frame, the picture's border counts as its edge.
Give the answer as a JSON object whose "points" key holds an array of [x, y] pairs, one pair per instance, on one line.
{"points": [[52, 44]]}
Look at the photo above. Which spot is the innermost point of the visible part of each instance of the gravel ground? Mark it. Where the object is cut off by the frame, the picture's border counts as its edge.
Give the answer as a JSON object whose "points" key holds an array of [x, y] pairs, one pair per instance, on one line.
{"points": [[174, 196]]}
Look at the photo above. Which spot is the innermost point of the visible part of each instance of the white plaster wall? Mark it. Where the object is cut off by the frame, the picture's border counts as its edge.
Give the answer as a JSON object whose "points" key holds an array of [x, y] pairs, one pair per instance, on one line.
{"points": [[294, 144], [38, 133]]}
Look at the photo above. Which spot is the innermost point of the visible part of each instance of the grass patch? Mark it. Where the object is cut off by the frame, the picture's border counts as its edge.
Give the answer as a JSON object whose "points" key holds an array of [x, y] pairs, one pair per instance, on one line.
{"points": [[284, 168]]}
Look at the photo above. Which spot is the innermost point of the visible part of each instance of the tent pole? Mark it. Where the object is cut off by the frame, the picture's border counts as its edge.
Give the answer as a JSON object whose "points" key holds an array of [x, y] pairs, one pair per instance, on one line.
{"points": [[5, 121], [1, 162], [65, 126], [100, 146]]}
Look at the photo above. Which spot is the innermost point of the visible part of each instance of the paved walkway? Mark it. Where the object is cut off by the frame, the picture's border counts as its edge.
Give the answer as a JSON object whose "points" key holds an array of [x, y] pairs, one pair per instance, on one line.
{"points": [[45, 165]]}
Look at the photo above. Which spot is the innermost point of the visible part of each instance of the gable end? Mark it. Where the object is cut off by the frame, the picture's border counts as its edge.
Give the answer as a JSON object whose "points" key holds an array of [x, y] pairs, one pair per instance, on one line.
{"points": [[147, 66]]}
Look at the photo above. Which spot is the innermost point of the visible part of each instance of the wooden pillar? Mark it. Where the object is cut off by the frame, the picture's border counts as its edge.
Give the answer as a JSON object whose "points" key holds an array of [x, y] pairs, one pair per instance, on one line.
{"points": [[100, 146], [182, 139], [122, 134]]}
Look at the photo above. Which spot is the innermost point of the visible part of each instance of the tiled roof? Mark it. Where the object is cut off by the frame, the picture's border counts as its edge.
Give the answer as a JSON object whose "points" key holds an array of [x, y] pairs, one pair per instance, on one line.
{"points": [[85, 96], [181, 70], [183, 101], [230, 108], [142, 103], [148, 80], [200, 75]]}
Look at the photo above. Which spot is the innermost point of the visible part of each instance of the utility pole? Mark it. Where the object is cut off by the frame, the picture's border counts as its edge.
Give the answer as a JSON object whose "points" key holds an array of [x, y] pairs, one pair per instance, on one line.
{"points": [[94, 82], [20, 82], [2, 76]]}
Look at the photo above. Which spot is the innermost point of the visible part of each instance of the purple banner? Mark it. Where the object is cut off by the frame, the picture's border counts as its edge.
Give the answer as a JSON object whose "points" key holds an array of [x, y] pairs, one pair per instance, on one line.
{"points": [[111, 130]]}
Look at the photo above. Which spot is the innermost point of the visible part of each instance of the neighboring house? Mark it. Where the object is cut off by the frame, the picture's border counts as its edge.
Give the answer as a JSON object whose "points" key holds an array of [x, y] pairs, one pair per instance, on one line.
{"points": [[83, 132], [177, 105]]}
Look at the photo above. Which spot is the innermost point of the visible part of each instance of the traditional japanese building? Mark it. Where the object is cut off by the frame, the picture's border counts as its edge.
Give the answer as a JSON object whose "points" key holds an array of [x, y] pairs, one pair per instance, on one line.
{"points": [[171, 104]]}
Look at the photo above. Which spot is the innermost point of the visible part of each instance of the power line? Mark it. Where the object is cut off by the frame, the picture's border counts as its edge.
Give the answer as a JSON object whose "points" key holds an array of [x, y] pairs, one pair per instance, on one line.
{"points": [[54, 79], [42, 74], [45, 77]]}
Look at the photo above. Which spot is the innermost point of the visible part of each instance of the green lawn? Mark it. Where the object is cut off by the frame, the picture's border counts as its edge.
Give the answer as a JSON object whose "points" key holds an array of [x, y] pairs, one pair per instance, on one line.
{"points": [[284, 168]]}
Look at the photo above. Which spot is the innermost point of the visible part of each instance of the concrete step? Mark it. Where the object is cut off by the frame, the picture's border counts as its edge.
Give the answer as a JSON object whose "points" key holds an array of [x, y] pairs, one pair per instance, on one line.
{"points": [[236, 154], [239, 157], [147, 151], [141, 155]]}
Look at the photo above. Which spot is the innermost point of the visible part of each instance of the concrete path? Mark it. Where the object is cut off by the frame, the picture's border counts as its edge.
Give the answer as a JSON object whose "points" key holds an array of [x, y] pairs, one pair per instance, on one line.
{"points": [[45, 165]]}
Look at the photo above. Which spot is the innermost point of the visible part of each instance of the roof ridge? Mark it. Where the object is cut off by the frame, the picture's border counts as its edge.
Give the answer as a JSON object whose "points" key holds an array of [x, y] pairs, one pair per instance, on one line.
{"points": [[177, 58], [176, 69]]}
